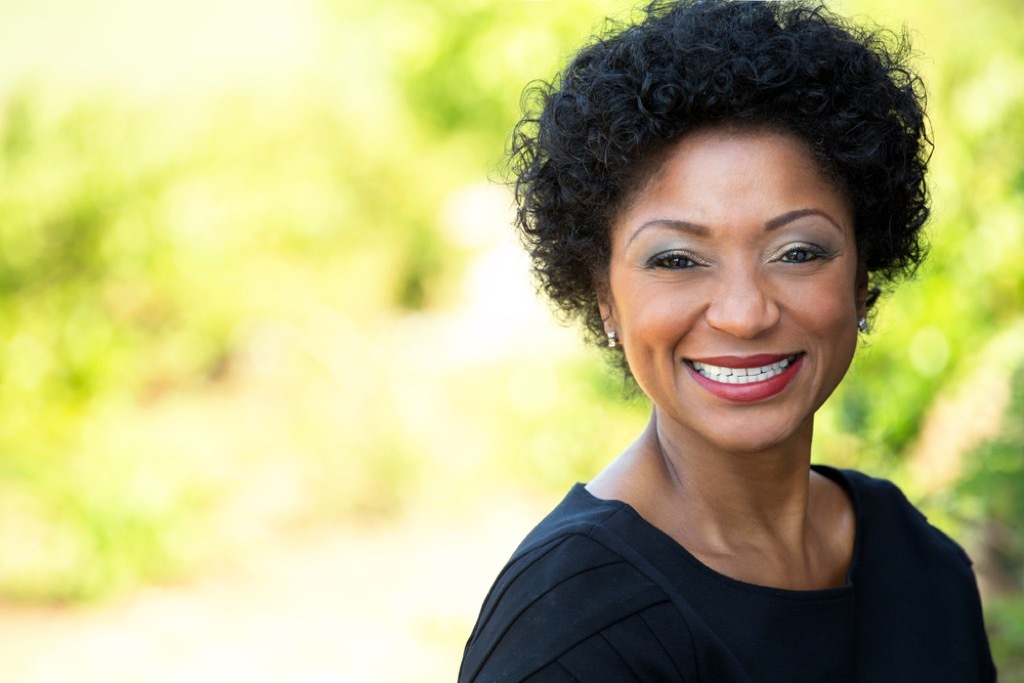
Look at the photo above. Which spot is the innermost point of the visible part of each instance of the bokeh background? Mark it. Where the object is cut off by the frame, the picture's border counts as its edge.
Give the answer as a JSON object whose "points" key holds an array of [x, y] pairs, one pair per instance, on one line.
{"points": [[277, 398]]}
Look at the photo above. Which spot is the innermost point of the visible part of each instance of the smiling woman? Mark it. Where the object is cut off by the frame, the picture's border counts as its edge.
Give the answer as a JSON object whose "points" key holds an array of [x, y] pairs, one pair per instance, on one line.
{"points": [[719, 191], [738, 255]]}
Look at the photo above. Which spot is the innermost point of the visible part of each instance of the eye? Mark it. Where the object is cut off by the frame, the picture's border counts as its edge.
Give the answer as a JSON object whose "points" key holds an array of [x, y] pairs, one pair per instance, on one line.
{"points": [[672, 260], [803, 253]]}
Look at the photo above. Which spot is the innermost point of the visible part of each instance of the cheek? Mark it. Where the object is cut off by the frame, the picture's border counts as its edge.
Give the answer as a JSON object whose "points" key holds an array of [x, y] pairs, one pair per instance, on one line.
{"points": [[658, 315], [833, 320], [832, 300], [655, 326], [826, 313]]}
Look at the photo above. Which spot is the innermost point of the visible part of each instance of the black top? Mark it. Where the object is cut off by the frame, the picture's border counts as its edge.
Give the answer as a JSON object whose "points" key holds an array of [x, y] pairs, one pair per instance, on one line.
{"points": [[595, 593]]}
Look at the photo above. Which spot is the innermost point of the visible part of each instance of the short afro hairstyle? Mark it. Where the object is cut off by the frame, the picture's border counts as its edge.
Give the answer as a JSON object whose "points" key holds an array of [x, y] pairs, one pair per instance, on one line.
{"points": [[596, 133]]}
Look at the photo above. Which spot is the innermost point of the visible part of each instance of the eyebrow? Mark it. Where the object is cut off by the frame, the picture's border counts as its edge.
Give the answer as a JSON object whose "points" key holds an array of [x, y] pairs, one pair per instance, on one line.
{"points": [[702, 231], [786, 218]]}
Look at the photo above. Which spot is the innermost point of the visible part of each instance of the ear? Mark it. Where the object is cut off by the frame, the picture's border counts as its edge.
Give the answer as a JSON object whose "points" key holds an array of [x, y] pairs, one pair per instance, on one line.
{"points": [[862, 290], [606, 304]]}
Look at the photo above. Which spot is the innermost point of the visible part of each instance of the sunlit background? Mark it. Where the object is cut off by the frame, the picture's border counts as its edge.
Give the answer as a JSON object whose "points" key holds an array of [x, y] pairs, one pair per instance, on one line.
{"points": [[277, 399]]}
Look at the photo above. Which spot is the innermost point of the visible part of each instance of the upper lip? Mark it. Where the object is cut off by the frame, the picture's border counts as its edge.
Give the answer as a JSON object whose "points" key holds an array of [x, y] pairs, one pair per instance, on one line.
{"points": [[755, 361]]}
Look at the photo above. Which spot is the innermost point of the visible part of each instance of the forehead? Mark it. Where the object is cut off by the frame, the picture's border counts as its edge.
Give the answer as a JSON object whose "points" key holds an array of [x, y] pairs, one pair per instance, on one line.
{"points": [[733, 175]]}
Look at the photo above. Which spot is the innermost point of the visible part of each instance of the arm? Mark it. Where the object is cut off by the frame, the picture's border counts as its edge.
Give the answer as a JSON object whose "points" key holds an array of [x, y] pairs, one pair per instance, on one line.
{"points": [[573, 610]]}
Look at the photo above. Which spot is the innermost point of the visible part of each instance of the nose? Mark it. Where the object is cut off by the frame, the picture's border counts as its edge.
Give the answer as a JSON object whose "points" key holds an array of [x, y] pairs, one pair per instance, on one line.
{"points": [[742, 307]]}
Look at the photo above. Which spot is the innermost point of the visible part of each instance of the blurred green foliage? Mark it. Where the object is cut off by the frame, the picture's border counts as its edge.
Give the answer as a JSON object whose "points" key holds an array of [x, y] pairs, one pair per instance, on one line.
{"points": [[231, 312]]}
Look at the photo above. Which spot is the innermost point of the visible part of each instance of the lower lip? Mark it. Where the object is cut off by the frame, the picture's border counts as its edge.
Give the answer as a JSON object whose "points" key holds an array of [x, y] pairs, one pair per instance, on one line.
{"points": [[748, 393]]}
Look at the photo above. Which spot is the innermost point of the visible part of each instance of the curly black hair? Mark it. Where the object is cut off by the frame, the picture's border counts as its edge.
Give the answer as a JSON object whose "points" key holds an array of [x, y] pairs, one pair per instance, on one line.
{"points": [[594, 134]]}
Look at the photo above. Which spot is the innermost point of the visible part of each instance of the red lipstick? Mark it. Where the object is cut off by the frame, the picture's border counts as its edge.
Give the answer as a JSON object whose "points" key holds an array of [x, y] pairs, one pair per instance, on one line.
{"points": [[746, 393]]}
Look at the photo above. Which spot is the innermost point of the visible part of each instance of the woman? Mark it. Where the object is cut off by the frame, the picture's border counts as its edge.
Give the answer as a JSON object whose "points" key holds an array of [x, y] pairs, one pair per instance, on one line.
{"points": [[717, 192]]}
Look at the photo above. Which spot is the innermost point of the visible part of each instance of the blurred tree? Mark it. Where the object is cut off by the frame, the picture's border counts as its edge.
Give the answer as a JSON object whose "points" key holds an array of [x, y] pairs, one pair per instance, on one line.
{"points": [[181, 246]]}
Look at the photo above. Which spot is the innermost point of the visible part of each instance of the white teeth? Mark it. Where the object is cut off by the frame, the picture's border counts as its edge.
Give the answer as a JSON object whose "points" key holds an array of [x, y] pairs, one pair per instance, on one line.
{"points": [[743, 375]]}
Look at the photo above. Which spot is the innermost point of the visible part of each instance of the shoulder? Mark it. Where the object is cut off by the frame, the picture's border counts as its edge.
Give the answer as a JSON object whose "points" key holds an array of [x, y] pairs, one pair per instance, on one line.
{"points": [[918, 600], [886, 517], [907, 567], [572, 601]]}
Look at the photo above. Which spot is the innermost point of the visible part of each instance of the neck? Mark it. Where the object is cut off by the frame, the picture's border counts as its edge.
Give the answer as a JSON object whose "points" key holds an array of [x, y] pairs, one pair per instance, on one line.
{"points": [[761, 517], [737, 500]]}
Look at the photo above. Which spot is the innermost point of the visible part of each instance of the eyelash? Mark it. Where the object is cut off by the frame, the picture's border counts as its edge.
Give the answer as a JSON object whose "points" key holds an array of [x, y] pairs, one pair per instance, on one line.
{"points": [[813, 253], [675, 260], [671, 260]]}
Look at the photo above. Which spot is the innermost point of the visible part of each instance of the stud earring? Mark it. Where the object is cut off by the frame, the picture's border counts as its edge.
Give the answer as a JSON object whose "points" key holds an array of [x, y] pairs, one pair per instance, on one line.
{"points": [[613, 339], [862, 325]]}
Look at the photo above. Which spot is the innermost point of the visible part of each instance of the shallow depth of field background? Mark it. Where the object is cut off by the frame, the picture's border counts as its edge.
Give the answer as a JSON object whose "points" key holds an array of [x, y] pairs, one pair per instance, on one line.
{"points": [[276, 396]]}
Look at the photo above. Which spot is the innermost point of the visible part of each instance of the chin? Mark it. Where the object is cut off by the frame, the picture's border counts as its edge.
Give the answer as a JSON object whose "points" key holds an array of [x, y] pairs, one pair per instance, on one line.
{"points": [[736, 434], [750, 447]]}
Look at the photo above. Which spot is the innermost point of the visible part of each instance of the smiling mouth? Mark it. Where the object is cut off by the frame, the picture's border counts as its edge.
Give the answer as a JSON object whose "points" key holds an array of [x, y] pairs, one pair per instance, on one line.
{"points": [[726, 375]]}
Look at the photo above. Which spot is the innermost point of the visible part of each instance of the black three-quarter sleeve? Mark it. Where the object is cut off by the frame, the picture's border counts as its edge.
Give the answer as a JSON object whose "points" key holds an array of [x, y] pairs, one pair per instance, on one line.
{"points": [[572, 610]]}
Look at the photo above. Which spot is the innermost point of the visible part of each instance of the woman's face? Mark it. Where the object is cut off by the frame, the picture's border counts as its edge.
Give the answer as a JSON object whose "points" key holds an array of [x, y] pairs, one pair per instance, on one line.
{"points": [[735, 288]]}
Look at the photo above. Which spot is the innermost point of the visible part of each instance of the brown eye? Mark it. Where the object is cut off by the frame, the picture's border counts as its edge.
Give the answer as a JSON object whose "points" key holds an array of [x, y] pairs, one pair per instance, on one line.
{"points": [[801, 255], [797, 256], [672, 261]]}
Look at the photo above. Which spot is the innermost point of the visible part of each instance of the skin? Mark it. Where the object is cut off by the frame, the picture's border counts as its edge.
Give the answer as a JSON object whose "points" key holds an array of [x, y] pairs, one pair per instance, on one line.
{"points": [[738, 245]]}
